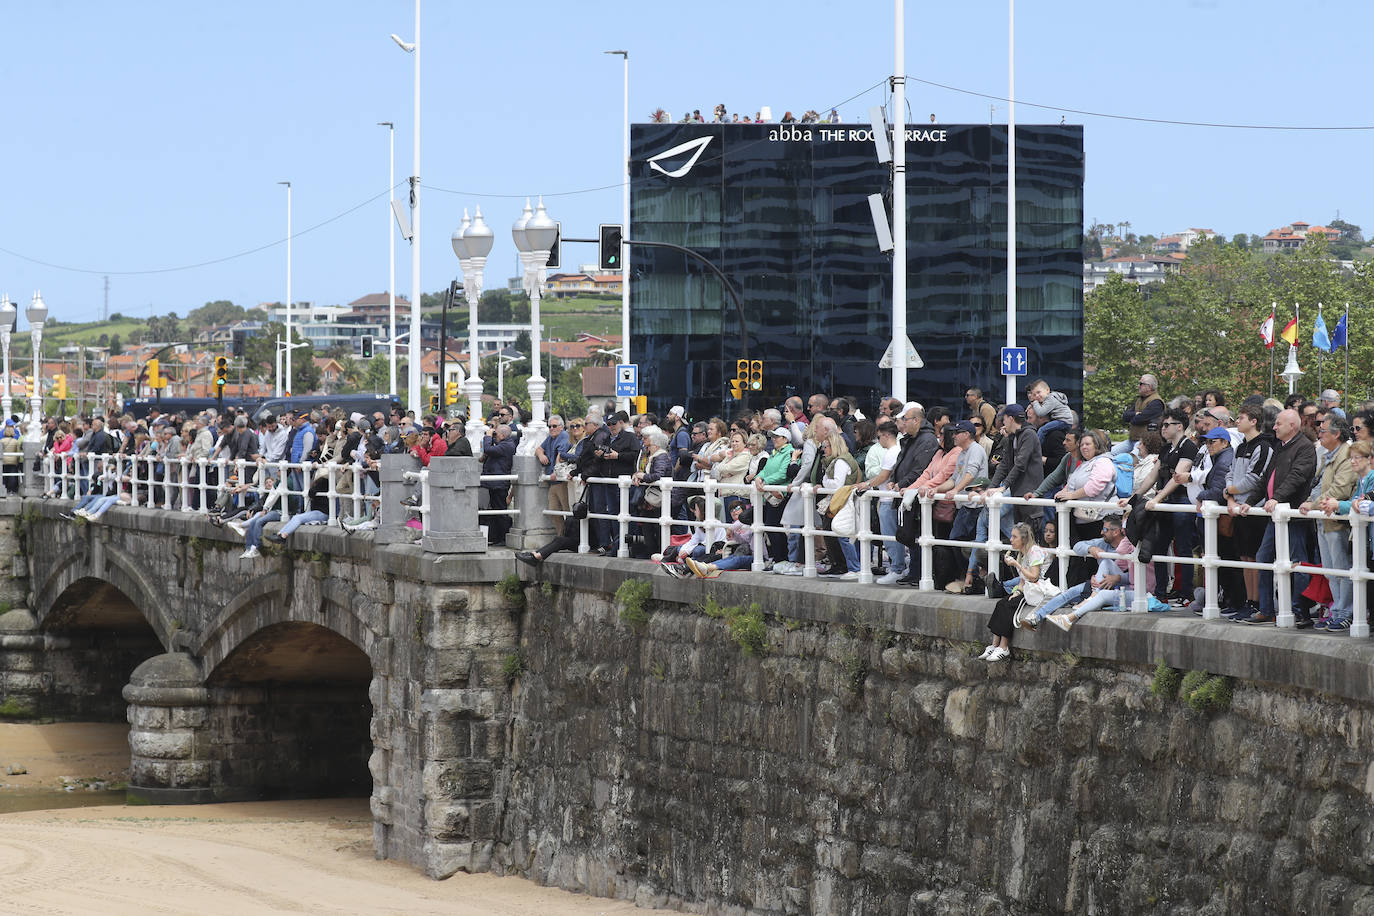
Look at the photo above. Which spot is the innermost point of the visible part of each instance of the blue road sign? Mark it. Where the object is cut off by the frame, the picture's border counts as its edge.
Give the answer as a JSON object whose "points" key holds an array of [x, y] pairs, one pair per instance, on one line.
{"points": [[627, 380], [1014, 361]]}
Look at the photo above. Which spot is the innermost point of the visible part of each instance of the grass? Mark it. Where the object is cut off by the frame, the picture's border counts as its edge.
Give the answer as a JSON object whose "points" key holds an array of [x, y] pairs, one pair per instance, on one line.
{"points": [[748, 629], [513, 666]]}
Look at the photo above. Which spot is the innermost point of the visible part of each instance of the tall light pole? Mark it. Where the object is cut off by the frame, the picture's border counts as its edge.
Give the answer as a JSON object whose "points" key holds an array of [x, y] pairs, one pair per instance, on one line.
{"points": [[625, 220], [534, 236], [1011, 190], [286, 388], [899, 353], [37, 313], [472, 243], [8, 316], [391, 243], [413, 386]]}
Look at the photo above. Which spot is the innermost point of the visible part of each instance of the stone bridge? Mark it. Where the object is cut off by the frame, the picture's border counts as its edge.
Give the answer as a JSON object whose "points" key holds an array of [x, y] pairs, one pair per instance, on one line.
{"points": [[750, 745]]}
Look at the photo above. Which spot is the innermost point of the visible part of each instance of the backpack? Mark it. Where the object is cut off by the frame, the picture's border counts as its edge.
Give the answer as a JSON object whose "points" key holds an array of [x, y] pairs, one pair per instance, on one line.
{"points": [[1125, 474]]}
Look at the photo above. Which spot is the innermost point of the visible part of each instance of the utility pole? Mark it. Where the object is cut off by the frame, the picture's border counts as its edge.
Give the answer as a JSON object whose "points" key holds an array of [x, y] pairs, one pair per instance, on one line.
{"points": [[105, 313]]}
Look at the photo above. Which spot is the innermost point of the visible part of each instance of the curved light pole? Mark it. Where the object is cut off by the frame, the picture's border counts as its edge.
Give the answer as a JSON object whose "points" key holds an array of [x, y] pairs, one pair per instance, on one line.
{"points": [[286, 388], [8, 316], [391, 248], [37, 313], [625, 254], [534, 236]]}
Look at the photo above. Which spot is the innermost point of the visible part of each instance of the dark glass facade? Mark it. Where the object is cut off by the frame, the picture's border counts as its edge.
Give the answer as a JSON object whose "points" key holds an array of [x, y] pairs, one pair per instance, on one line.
{"points": [[783, 211]]}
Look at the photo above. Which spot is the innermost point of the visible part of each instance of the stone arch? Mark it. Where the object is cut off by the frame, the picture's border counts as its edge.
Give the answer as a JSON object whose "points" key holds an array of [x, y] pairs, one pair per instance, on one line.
{"points": [[108, 565]]}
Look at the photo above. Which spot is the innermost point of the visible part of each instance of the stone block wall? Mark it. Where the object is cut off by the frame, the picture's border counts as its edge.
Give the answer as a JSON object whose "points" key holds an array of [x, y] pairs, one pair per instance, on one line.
{"points": [[855, 769]]}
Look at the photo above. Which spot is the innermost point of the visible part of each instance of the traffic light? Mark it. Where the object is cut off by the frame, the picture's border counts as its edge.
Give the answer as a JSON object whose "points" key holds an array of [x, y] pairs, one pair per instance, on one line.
{"points": [[755, 375], [741, 380], [237, 346], [641, 403], [556, 251], [29, 389], [221, 372], [611, 236], [59, 387], [433, 403], [155, 379], [450, 392], [367, 346]]}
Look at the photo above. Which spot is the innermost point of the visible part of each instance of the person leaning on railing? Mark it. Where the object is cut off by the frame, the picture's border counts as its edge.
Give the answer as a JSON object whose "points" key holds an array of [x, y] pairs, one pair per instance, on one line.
{"points": [[1335, 483], [774, 474], [1094, 478], [802, 468], [647, 506], [13, 457]]}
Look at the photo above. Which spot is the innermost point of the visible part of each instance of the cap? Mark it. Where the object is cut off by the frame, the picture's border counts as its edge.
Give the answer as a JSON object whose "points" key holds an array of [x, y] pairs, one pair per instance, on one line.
{"points": [[1148, 379], [964, 426], [677, 410], [909, 405], [782, 432], [1331, 394], [268, 418], [1218, 432], [1016, 411]]}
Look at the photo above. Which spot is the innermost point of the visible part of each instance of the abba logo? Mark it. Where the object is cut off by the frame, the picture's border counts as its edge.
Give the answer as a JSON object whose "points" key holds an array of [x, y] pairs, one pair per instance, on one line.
{"points": [[805, 134], [699, 145]]}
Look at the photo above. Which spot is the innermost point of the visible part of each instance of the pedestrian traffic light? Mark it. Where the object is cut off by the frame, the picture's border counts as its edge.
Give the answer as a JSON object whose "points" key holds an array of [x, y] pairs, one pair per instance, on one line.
{"points": [[755, 375], [433, 403], [367, 346], [221, 371], [611, 238], [741, 380], [59, 386], [450, 392], [155, 379]]}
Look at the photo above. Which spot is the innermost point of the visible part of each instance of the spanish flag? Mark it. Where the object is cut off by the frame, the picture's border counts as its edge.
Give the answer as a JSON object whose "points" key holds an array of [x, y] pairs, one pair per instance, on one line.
{"points": [[1290, 333]]}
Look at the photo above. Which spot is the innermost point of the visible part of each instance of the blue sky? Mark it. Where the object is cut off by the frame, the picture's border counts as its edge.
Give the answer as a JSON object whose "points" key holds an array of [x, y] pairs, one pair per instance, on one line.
{"points": [[152, 135]]}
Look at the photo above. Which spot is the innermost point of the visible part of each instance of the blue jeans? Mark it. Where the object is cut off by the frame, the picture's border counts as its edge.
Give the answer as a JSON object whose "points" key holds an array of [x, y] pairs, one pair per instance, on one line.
{"points": [[1297, 552], [604, 500], [1068, 596], [1045, 428], [313, 517], [1181, 529], [102, 505], [735, 561], [1335, 553], [252, 532], [851, 554], [980, 530], [87, 501], [887, 525]]}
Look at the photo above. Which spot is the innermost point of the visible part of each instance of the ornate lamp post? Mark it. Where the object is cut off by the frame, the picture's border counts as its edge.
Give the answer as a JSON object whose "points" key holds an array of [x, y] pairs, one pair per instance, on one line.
{"points": [[37, 313], [472, 243], [534, 236], [8, 316]]}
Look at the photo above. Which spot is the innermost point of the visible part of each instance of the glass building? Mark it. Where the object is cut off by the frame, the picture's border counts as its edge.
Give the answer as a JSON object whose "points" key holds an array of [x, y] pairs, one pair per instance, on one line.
{"points": [[782, 210]]}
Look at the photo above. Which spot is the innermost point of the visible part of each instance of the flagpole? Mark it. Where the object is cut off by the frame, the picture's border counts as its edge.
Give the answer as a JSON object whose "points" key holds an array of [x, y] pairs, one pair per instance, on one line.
{"points": [[1273, 329], [1345, 345], [1320, 359]]}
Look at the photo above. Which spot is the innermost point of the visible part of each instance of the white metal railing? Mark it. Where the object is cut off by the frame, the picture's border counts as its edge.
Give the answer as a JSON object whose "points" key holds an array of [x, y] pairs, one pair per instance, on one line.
{"points": [[996, 504]]}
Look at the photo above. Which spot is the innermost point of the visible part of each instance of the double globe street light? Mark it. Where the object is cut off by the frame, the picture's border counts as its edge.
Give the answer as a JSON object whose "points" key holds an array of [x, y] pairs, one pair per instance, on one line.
{"points": [[8, 316], [472, 242], [37, 313]]}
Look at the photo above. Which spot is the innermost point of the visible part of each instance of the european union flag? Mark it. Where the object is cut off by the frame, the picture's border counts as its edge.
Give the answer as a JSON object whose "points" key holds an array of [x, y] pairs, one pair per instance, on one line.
{"points": [[1338, 336], [1320, 339]]}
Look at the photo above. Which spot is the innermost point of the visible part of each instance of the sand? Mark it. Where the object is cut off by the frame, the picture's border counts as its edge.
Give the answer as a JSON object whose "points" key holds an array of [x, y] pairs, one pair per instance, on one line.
{"points": [[256, 857]]}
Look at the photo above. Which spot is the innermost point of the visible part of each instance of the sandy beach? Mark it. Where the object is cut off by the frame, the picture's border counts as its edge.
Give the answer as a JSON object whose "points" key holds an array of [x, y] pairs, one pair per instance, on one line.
{"points": [[256, 857]]}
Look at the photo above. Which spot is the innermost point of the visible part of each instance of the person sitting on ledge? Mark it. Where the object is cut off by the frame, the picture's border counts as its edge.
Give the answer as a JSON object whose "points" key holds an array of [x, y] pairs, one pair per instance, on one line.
{"points": [[739, 540], [1100, 591]]}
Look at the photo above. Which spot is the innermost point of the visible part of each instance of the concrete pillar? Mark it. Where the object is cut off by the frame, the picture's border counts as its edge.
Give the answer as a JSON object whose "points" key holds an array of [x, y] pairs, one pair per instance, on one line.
{"points": [[392, 517], [454, 484], [23, 683], [530, 495], [169, 742], [33, 480]]}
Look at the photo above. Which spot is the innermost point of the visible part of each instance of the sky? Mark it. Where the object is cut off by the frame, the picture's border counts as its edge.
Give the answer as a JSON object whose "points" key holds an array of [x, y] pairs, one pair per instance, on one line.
{"points": [[145, 138]]}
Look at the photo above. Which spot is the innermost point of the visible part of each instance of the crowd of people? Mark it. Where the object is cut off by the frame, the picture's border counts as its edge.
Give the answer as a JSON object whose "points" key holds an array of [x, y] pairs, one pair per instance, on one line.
{"points": [[1148, 490], [763, 116]]}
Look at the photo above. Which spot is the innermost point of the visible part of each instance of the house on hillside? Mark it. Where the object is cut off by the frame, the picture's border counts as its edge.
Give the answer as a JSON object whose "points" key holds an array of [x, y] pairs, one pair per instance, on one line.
{"points": [[1292, 236]]}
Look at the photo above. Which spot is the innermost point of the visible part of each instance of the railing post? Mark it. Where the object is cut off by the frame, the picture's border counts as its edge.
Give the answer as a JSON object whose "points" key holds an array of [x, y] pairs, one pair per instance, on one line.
{"points": [[665, 512], [927, 582], [452, 504], [391, 515], [623, 516], [863, 533], [1140, 572], [756, 504], [1210, 610], [531, 528], [993, 550], [1359, 568], [808, 531], [1283, 569], [33, 480], [1063, 541]]}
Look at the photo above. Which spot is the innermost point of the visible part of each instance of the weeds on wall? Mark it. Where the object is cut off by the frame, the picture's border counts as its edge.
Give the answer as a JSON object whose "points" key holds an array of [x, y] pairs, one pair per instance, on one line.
{"points": [[513, 666], [633, 596], [1203, 692], [512, 589]]}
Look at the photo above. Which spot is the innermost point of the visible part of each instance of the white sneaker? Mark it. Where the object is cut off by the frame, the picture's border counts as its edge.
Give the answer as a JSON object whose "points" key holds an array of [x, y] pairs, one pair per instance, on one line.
{"points": [[986, 652], [999, 654], [889, 579], [249, 554], [657, 558], [849, 577], [80, 512], [782, 566], [236, 528], [1063, 621]]}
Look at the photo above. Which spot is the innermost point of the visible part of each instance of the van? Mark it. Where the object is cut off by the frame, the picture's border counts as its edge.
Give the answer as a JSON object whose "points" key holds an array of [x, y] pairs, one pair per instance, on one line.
{"points": [[138, 408], [365, 404]]}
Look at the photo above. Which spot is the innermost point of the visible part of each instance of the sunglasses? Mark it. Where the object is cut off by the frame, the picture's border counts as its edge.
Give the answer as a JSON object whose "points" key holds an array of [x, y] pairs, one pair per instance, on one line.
{"points": [[574, 426]]}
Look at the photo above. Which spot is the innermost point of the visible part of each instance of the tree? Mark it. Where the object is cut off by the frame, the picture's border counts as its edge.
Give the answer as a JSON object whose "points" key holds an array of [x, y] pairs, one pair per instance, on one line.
{"points": [[1092, 248], [211, 314], [116, 347], [494, 307], [565, 394], [166, 329], [259, 356]]}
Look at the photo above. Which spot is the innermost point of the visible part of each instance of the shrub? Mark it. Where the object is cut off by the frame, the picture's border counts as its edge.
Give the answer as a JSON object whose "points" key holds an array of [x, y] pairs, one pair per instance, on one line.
{"points": [[633, 596], [513, 666], [511, 589], [1214, 695], [1166, 681], [749, 631]]}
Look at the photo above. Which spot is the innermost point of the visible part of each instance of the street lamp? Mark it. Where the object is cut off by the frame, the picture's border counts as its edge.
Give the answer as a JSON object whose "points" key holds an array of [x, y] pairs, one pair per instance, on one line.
{"points": [[8, 316], [287, 388], [391, 245], [625, 220], [502, 361], [472, 243], [534, 236], [37, 313], [413, 383]]}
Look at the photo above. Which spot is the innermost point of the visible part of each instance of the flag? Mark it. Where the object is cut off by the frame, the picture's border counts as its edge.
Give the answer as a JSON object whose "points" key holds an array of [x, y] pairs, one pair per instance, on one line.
{"points": [[1267, 332], [1320, 339], [1290, 332], [1338, 336]]}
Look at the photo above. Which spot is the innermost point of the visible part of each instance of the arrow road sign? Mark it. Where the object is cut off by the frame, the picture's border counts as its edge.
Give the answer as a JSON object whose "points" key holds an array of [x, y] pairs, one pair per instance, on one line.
{"points": [[1014, 361]]}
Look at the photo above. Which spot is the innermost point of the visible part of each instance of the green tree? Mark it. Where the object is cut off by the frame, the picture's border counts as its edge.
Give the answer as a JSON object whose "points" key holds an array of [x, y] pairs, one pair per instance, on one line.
{"points": [[565, 394], [259, 356], [219, 312], [116, 347], [166, 329], [1117, 336]]}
